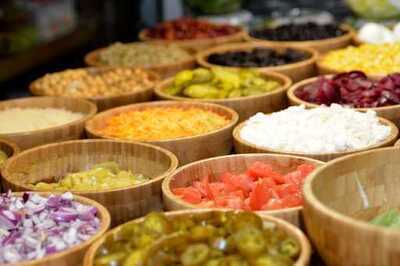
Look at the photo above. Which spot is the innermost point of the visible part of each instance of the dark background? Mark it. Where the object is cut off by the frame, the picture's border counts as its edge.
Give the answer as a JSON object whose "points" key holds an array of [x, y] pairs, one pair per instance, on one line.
{"points": [[101, 22]]}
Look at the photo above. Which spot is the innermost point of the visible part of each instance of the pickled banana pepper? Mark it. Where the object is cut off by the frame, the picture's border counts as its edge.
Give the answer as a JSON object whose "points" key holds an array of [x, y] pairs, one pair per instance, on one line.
{"points": [[209, 239], [217, 83]]}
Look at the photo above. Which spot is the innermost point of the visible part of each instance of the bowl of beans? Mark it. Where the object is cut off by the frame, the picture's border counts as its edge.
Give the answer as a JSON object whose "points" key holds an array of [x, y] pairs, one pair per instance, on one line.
{"points": [[372, 59], [191, 130], [321, 37], [165, 59], [193, 34], [353, 89], [107, 87], [295, 62], [245, 91], [204, 237]]}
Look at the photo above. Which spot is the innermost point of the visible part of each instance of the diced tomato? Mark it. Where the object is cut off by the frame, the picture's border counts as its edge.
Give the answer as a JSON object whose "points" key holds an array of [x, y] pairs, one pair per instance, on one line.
{"points": [[305, 169], [268, 182], [273, 204], [294, 177], [286, 189], [259, 196], [227, 179], [243, 182], [260, 170], [191, 195], [220, 202], [239, 193], [200, 187], [292, 200], [207, 188], [178, 191], [234, 203]]}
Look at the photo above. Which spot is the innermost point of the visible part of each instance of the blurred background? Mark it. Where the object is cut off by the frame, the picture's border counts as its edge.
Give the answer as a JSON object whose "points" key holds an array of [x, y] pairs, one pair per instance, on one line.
{"points": [[41, 36]]}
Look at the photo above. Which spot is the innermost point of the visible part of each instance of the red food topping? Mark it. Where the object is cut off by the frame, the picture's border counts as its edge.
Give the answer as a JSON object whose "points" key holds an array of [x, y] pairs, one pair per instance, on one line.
{"points": [[259, 188], [353, 89], [189, 29]]}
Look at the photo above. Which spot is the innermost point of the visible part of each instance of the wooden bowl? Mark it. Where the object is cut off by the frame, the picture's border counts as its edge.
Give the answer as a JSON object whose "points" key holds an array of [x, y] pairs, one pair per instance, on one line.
{"points": [[291, 230], [236, 164], [11, 149], [321, 46], [345, 193], [296, 71], [72, 256], [106, 102], [391, 113], [164, 70], [397, 143], [245, 106], [68, 131], [199, 44], [188, 149], [58, 159], [243, 146]]}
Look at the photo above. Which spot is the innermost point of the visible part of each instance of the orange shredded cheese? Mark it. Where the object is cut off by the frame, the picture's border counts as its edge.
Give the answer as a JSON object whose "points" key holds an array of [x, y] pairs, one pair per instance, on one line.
{"points": [[163, 123]]}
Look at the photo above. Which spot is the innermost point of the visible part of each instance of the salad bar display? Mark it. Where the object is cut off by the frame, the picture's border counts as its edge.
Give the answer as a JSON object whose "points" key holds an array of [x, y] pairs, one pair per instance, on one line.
{"points": [[181, 181]]}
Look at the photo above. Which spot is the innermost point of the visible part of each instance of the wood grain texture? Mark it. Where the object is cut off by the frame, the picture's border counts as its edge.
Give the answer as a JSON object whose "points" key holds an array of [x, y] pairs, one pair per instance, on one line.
{"points": [[345, 193], [188, 149], [106, 102], [237, 164], [245, 106], [296, 71], [297, 234], [56, 160], [68, 131], [11, 149], [391, 112], [397, 143], [73, 256], [242, 146], [198, 44], [321, 46], [164, 70]]}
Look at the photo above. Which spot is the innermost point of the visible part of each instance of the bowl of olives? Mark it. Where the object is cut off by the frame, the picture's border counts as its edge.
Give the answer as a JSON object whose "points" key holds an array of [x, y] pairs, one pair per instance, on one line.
{"points": [[201, 237], [244, 90]]}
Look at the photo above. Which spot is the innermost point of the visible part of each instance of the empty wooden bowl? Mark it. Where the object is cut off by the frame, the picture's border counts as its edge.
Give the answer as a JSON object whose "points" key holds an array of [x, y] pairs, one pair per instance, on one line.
{"points": [[297, 234], [68, 131], [296, 71], [57, 160], [143, 94], [245, 106], [164, 70], [188, 149], [391, 112], [236, 164], [243, 146], [321, 46], [341, 196], [74, 255], [197, 44]]}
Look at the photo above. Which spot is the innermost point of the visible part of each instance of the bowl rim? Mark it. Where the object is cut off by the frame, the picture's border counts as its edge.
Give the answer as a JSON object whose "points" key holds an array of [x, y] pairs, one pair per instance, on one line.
{"points": [[390, 139], [347, 36], [92, 111], [92, 59], [172, 158], [292, 96], [291, 230], [100, 116], [241, 32], [12, 145], [202, 56], [105, 221], [166, 184], [311, 199], [284, 83], [34, 88], [397, 143]]}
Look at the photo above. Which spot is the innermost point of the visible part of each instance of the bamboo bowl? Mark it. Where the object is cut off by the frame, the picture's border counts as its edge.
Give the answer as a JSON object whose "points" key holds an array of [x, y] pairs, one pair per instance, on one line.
{"points": [[56, 160], [243, 146], [105, 102], [238, 163], [164, 70], [74, 255], [391, 113], [245, 106], [188, 149], [11, 149], [291, 230], [321, 46], [296, 71], [198, 44], [68, 131], [341, 196]]}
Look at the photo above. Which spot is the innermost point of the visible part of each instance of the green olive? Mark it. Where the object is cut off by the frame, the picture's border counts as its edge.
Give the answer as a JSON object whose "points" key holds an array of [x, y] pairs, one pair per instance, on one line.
{"points": [[195, 254], [183, 78], [199, 232], [136, 258], [289, 248], [235, 260], [157, 222], [202, 91], [244, 220], [250, 241], [201, 75], [110, 260]]}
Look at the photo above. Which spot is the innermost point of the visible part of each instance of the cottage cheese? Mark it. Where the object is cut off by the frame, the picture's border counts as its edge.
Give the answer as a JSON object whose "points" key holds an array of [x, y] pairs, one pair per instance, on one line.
{"points": [[319, 130]]}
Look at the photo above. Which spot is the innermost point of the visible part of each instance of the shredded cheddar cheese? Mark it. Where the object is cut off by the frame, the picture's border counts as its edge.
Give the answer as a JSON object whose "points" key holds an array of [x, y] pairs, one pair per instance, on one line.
{"points": [[163, 123]]}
